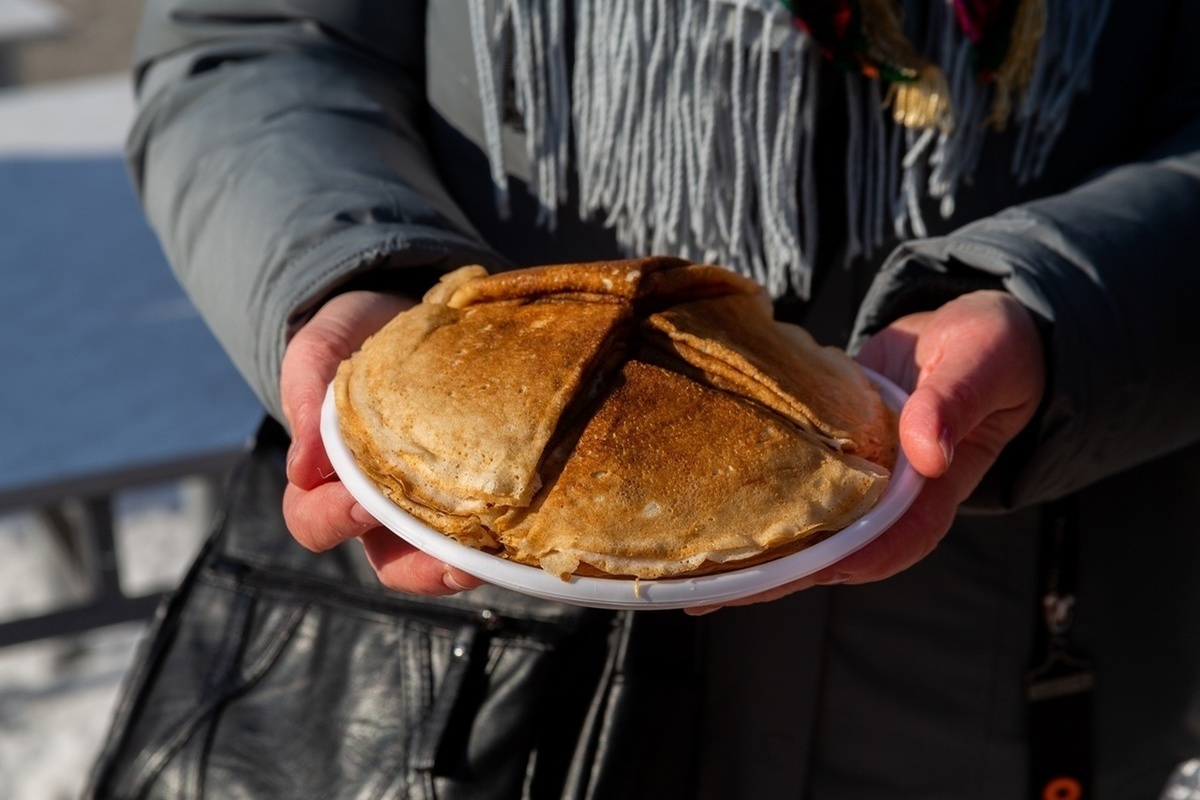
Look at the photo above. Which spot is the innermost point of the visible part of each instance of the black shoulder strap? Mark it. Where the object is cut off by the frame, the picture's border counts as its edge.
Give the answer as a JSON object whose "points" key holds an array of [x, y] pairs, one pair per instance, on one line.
{"points": [[1060, 682]]}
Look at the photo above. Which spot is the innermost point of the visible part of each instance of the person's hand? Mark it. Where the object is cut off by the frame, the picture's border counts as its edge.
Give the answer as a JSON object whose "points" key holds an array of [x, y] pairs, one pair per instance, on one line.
{"points": [[319, 511], [976, 374]]}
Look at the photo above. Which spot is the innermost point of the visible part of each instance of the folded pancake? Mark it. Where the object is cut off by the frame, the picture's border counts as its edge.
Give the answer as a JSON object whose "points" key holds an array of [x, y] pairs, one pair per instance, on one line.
{"points": [[454, 407], [669, 475], [735, 346], [644, 418], [594, 281], [654, 281], [688, 282]]}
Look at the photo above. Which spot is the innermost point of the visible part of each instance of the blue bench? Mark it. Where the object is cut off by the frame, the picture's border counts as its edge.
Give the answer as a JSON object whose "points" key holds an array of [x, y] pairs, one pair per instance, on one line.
{"points": [[110, 380]]}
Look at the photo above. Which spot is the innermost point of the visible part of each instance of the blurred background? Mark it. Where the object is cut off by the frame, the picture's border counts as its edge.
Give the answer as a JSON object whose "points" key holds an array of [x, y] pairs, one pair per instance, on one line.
{"points": [[91, 38], [120, 417]]}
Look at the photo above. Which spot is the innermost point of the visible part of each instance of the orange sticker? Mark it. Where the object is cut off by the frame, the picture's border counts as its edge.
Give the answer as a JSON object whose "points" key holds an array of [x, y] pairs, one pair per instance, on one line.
{"points": [[1062, 789]]}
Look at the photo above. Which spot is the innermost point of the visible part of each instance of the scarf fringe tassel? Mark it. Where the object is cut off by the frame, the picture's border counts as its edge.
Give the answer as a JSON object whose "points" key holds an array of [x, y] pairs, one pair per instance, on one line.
{"points": [[693, 124]]}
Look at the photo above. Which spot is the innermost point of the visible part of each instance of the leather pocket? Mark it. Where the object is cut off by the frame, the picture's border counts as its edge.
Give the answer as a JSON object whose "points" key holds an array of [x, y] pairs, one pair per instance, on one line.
{"points": [[282, 688], [278, 673]]}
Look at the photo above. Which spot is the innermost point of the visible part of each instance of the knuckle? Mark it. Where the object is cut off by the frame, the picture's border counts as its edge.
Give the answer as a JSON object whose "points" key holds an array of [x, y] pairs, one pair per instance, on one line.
{"points": [[311, 520], [962, 396]]}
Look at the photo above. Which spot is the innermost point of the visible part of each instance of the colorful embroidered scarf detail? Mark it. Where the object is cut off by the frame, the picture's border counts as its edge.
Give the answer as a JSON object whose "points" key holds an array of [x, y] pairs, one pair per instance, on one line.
{"points": [[1004, 36], [867, 36]]}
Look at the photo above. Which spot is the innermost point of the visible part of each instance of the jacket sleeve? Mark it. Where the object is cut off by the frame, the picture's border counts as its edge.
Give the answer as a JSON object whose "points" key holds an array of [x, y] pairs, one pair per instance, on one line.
{"points": [[278, 153], [1112, 267]]}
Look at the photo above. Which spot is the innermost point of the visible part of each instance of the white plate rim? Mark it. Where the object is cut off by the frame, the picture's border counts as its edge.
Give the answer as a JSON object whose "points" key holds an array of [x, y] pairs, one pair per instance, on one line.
{"points": [[724, 587]]}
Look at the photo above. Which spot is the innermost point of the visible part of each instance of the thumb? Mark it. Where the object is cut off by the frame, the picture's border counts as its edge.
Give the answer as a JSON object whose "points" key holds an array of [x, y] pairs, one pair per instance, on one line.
{"points": [[981, 374], [310, 361]]}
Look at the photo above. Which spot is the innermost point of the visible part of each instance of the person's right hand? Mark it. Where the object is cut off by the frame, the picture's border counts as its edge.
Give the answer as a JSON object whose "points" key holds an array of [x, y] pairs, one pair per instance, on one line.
{"points": [[318, 509], [975, 370]]}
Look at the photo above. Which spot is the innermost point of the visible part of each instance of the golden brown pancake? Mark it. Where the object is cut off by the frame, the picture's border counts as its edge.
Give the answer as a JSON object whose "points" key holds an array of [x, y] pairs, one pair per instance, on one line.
{"points": [[737, 347], [643, 418], [617, 279], [669, 474], [458, 405]]}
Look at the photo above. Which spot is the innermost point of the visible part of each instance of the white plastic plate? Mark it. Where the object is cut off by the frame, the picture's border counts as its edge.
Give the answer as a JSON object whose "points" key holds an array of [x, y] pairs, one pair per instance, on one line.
{"points": [[715, 589]]}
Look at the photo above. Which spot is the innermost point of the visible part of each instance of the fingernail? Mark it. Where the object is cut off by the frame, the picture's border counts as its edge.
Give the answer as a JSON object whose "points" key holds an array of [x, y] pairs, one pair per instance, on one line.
{"points": [[362, 516], [832, 580], [946, 442], [292, 452], [451, 583]]}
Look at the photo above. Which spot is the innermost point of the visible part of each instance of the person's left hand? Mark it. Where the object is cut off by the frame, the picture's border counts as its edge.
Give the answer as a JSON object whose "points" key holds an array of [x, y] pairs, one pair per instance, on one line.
{"points": [[975, 371], [320, 512]]}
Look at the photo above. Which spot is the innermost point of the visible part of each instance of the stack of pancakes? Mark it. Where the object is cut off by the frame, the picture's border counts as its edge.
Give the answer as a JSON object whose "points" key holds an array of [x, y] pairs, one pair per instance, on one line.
{"points": [[644, 418]]}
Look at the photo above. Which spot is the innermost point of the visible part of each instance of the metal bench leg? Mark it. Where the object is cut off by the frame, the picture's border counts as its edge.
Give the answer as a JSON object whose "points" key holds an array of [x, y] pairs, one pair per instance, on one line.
{"points": [[92, 544]]}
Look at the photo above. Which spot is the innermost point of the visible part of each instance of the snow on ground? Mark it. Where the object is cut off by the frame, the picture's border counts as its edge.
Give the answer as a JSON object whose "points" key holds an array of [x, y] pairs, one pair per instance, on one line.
{"points": [[57, 695]]}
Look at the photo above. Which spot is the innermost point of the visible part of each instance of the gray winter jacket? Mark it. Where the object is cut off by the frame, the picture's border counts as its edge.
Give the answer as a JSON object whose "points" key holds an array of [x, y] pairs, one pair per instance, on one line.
{"points": [[288, 149]]}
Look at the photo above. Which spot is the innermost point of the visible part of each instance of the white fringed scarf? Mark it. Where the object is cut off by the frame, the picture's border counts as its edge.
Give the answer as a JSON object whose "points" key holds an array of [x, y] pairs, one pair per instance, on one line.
{"points": [[693, 123]]}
